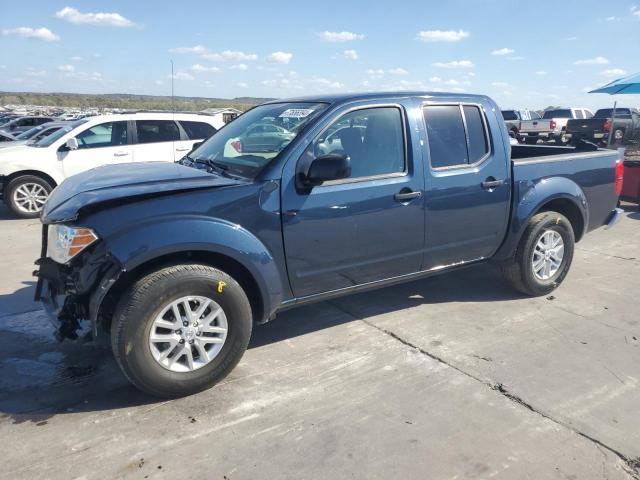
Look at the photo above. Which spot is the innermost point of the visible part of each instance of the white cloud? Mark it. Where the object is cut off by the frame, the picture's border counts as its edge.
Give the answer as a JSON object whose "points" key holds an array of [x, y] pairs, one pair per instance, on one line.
{"points": [[541, 72], [242, 85], [635, 10], [398, 71], [375, 73], [335, 37], [181, 76], [159, 82], [197, 49], [281, 57], [324, 82], [571, 39], [34, 33], [203, 68], [592, 61], [451, 82], [613, 72], [230, 55], [72, 15], [454, 64], [500, 84], [239, 66], [612, 19], [76, 59], [351, 55], [442, 35], [32, 72], [66, 68], [502, 51]]}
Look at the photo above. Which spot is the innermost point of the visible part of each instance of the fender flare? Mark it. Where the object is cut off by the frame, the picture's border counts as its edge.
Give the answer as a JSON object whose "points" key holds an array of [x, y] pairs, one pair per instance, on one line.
{"points": [[535, 195], [133, 248]]}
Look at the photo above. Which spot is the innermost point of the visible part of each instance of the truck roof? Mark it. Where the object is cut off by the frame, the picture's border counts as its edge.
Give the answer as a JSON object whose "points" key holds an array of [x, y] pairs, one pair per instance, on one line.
{"points": [[348, 97]]}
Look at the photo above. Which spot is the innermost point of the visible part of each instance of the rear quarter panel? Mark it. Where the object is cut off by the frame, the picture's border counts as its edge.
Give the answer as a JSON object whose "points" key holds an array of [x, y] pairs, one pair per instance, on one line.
{"points": [[586, 179]]}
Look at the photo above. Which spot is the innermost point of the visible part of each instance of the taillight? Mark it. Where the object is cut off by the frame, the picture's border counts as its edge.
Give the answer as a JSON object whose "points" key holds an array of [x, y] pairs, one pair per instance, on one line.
{"points": [[607, 125], [237, 145], [553, 124], [619, 176]]}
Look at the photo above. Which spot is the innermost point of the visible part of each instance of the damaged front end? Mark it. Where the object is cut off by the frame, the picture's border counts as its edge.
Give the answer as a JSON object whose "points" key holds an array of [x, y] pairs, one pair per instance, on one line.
{"points": [[71, 293]]}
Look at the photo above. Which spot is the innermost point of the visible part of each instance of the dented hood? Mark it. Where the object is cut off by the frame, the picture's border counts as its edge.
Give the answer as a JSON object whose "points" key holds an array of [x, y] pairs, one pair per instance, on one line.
{"points": [[125, 182]]}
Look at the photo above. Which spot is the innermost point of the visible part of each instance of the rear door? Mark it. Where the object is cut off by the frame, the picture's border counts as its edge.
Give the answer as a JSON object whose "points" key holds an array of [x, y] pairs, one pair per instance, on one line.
{"points": [[357, 230], [153, 140], [468, 183], [102, 144], [192, 132]]}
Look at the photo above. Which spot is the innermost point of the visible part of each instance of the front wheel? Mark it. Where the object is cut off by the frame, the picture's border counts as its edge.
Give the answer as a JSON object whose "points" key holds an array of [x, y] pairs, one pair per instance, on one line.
{"points": [[26, 195], [181, 329], [543, 256]]}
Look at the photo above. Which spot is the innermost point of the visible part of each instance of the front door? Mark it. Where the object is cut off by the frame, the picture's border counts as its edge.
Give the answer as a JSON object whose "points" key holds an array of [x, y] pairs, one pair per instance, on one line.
{"points": [[468, 184], [367, 227], [103, 144]]}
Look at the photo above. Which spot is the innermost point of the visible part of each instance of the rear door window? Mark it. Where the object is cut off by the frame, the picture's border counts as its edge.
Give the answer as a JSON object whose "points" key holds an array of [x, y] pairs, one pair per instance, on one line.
{"points": [[197, 130], [456, 136], [579, 114], [155, 131], [476, 133]]}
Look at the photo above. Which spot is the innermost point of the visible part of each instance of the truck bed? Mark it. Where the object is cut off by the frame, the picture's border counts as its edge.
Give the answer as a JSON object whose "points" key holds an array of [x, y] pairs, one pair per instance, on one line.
{"points": [[590, 174]]}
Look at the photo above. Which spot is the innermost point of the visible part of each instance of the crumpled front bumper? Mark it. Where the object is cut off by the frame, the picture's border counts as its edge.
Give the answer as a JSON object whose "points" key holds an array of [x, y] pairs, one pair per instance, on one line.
{"points": [[51, 293]]}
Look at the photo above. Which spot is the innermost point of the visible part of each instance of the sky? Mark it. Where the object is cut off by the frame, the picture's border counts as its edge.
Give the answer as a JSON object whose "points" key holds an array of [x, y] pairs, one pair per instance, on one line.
{"points": [[523, 54]]}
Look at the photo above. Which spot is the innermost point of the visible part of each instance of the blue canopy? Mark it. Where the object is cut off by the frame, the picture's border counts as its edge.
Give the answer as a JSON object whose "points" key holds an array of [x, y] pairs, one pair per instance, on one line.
{"points": [[628, 85]]}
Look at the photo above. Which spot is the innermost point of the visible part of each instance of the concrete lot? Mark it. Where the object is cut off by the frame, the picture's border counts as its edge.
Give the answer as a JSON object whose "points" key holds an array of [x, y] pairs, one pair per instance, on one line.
{"points": [[450, 377]]}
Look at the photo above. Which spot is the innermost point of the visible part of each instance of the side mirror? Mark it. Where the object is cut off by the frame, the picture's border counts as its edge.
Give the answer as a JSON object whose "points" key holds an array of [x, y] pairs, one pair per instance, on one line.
{"points": [[327, 168], [72, 143], [196, 145]]}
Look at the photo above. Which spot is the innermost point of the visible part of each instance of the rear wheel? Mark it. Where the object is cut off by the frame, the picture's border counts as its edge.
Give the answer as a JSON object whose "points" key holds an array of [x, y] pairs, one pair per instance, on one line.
{"points": [[181, 329], [543, 256], [26, 195]]}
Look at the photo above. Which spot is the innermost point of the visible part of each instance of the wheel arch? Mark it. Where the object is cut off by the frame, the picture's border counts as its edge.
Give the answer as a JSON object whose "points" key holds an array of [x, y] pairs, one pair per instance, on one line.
{"points": [[558, 194], [35, 173]]}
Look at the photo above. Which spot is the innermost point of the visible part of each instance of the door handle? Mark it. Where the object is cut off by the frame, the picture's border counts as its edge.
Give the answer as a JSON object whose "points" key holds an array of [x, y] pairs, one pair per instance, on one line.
{"points": [[406, 195], [120, 154], [491, 182], [182, 149]]}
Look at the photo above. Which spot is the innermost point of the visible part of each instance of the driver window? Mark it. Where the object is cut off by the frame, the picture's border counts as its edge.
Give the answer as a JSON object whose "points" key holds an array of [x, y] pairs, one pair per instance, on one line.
{"points": [[373, 138], [109, 134]]}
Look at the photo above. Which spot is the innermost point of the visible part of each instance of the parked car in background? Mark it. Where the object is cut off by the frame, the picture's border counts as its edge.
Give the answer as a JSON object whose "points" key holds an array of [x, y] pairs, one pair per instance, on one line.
{"points": [[552, 126], [180, 263], [6, 138], [624, 128], [28, 173], [6, 119], [513, 118], [22, 124], [35, 134]]}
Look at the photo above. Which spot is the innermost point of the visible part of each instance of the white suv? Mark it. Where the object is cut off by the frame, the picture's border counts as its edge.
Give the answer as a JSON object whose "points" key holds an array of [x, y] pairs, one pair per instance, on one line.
{"points": [[29, 173]]}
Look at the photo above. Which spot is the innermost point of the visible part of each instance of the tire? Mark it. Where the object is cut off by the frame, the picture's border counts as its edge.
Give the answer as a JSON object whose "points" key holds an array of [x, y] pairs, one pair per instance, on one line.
{"points": [[519, 271], [141, 305], [15, 195], [562, 139], [617, 137]]}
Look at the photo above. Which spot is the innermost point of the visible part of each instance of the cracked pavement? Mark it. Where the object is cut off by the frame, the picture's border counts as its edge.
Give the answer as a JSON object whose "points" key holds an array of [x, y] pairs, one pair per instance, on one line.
{"points": [[455, 376]]}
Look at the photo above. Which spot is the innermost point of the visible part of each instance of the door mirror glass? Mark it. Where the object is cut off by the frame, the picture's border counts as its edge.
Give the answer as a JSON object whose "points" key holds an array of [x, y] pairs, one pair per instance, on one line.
{"points": [[72, 143], [327, 168]]}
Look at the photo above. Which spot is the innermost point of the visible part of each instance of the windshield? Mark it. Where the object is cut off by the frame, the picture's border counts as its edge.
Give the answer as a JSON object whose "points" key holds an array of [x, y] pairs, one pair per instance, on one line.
{"points": [[29, 133], [509, 115], [607, 112], [245, 146], [557, 114], [48, 140]]}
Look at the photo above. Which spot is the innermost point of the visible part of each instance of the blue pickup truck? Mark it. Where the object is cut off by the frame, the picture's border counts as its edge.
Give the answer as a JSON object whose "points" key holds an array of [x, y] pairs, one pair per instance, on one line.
{"points": [[346, 193]]}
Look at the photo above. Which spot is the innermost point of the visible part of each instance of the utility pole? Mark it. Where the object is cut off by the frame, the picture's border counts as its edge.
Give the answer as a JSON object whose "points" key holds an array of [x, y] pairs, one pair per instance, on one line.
{"points": [[173, 109]]}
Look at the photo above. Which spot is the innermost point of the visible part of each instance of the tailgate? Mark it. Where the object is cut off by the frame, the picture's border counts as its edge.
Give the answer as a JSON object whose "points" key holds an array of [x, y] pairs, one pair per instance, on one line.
{"points": [[587, 126], [535, 126]]}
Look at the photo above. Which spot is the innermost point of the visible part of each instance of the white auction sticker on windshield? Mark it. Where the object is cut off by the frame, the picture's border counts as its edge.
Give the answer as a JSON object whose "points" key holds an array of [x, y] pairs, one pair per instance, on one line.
{"points": [[296, 113]]}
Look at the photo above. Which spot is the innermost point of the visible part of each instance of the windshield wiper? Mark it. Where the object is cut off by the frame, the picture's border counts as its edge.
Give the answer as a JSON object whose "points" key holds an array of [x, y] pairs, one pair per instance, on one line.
{"points": [[217, 167]]}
